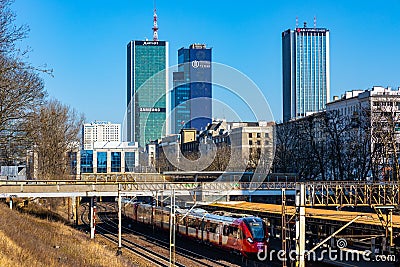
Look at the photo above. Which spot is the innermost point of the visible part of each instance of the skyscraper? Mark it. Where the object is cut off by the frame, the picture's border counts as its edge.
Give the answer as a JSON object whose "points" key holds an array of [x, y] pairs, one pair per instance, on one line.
{"points": [[191, 96], [306, 75], [146, 93]]}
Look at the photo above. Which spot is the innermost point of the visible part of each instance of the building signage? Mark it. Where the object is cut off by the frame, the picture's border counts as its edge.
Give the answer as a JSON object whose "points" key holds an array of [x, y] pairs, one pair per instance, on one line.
{"points": [[311, 30], [201, 64], [147, 109], [150, 43]]}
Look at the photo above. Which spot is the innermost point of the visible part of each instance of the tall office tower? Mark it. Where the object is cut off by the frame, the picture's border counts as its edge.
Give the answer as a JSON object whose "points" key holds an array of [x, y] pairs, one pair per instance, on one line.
{"points": [[191, 103], [146, 91], [306, 75]]}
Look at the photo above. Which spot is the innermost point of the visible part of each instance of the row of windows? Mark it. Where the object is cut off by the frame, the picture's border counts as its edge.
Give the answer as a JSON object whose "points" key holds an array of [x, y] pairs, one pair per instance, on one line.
{"points": [[258, 135], [212, 227], [87, 163], [258, 142]]}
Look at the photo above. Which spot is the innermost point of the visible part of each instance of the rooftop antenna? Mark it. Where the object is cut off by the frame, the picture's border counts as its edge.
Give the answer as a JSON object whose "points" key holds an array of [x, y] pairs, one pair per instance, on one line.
{"points": [[315, 22], [297, 22], [155, 26]]}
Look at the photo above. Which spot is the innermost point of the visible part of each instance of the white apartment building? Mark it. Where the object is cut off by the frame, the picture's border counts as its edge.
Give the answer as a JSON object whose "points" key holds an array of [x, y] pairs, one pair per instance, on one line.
{"points": [[100, 131]]}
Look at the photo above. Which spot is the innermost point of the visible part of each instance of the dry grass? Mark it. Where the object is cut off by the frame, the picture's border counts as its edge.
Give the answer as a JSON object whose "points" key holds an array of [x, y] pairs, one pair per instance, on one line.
{"points": [[30, 241]]}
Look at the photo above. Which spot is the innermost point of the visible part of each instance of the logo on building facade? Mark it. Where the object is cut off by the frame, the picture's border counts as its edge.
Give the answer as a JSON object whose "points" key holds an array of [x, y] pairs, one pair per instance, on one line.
{"points": [[148, 109], [201, 64], [150, 43]]}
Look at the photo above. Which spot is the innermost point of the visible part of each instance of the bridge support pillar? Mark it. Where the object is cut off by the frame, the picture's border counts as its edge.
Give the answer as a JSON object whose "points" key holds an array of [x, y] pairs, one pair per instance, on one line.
{"points": [[92, 216], [77, 203]]}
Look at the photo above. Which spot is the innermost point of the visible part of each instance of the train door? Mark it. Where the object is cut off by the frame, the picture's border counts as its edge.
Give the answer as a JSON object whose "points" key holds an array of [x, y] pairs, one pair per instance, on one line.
{"points": [[233, 237], [219, 233], [225, 235], [202, 224]]}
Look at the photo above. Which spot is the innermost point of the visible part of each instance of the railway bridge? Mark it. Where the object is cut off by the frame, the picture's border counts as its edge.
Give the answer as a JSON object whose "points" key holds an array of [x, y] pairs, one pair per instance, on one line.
{"points": [[383, 197]]}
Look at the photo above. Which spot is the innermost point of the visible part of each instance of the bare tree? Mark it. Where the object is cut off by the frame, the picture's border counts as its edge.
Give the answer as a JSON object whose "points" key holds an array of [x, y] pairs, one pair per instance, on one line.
{"points": [[21, 88], [385, 122], [55, 131], [222, 158]]}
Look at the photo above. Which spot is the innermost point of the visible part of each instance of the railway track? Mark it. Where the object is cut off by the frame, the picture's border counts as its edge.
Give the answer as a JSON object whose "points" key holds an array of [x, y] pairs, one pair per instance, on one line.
{"points": [[107, 215], [193, 259], [142, 252]]}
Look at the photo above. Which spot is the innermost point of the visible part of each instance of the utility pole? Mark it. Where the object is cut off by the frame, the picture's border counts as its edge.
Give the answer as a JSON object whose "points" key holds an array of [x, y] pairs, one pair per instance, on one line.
{"points": [[172, 223], [283, 227], [300, 225], [92, 216], [119, 250]]}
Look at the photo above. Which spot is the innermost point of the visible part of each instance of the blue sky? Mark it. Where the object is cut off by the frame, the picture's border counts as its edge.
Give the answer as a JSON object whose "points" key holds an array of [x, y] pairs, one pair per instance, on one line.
{"points": [[85, 43]]}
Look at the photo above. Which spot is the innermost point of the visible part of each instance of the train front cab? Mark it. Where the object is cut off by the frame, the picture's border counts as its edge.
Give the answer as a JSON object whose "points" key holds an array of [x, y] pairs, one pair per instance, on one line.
{"points": [[254, 236]]}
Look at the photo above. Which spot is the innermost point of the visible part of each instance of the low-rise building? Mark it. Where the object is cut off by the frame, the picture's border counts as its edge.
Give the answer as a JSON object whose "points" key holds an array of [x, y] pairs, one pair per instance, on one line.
{"points": [[106, 158]]}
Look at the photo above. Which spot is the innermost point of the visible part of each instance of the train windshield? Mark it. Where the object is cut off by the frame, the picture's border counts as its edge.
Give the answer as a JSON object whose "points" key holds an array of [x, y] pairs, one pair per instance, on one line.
{"points": [[256, 227]]}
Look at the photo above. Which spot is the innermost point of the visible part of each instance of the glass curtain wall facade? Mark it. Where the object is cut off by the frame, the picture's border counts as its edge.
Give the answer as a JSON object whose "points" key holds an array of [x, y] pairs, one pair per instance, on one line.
{"points": [[180, 113], [306, 71], [146, 91], [193, 82]]}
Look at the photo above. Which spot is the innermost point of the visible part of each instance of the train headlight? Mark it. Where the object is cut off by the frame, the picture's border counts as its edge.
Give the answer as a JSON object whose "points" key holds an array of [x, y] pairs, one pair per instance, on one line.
{"points": [[250, 240]]}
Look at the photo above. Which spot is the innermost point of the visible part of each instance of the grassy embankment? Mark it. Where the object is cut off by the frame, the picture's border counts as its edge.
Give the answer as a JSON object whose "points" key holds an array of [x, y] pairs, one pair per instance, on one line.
{"points": [[30, 241]]}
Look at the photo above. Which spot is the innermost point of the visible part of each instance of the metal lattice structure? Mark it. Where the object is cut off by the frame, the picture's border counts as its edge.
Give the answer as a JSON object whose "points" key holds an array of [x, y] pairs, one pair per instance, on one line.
{"points": [[352, 194]]}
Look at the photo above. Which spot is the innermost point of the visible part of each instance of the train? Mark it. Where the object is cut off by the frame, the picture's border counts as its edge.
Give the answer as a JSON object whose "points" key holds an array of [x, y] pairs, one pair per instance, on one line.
{"points": [[246, 235]]}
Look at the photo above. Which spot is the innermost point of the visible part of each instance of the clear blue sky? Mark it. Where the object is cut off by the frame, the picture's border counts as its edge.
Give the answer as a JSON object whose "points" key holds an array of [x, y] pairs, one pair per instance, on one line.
{"points": [[85, 43]]}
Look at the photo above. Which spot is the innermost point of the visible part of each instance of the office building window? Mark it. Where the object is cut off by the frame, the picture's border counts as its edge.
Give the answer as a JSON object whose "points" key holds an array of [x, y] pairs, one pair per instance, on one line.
{"points": [[102, 162], [87, 161], [129, 161], [115, 161]]}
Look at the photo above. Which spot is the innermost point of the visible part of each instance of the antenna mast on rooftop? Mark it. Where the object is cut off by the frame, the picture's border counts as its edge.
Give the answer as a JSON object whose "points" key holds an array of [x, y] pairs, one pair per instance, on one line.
{"points": [[155, 26], [315, 22], [297, 22]]}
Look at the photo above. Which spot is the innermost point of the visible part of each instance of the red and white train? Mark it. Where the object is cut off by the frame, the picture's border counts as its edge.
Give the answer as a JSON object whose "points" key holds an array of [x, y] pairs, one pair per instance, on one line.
{"points": [[246, 235]]}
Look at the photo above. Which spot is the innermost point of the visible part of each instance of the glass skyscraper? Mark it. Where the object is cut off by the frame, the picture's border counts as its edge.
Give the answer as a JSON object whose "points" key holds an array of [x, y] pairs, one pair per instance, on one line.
{"points": [[146, 91], [306, 75], [191, 97]]}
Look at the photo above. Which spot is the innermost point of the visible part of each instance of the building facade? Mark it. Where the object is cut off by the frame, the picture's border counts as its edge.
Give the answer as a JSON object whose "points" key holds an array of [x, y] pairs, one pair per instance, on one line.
{"points": [[147, 80], [357, 137], [306, 71], [100, 131], [191, 105], [105, 158]]}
